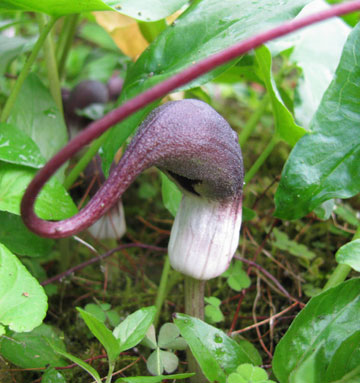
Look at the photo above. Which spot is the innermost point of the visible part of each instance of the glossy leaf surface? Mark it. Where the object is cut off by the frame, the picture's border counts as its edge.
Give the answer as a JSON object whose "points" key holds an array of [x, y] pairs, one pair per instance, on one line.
{"points": [[139, 9], [31, 349], [152, 379], [345, 364], [23, 302], [217, 354], [18, 148], [306, 350], [325, 164], [53, 202], [102, 333], [189, 40], [349, 254], [133, 329], [19, 239]]}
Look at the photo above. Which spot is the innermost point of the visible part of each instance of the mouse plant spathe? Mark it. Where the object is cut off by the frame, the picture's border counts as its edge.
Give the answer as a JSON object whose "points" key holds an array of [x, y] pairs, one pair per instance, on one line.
{"points": [[196, 148]]}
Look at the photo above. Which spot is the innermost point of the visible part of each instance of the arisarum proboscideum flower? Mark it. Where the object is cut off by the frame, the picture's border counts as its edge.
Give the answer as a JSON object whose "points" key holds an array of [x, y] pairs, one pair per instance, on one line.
{"points": [[197, 149]]}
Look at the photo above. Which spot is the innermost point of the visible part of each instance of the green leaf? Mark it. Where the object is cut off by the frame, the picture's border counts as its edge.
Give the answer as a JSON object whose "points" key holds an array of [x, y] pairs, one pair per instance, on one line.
{"points": [[103, 334], [153, 379], [154, 363], [53, 376], [139, 9], [285, 126], [346, 361], [17, 148], [169, 337], [96, 311], [23, 302], [324, 164], [12, 47], [247, 373], [19, 239], [85, 366], [349, 254], [283, 242], [188, 40], [305, 352], [171, 194], [248, 214], [217, 354], [133, 329], [213, 314], [169, 360], [36, 114], [237, 277], [53, 202], [317, 53], [31, 349]]}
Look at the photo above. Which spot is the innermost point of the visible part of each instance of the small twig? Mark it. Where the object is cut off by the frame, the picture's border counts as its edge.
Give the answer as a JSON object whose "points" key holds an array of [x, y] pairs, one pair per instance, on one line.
{"points": [[265, 320], [100, 258], [270, 276]]}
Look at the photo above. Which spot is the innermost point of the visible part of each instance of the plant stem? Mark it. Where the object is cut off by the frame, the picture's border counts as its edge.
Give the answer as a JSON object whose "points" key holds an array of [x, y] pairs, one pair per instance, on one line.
{"points": [[194, 306], [110, 372], [161, 292], [341, 271], [65, 41], [262, 158], [52, 71], [253, 120], [25, 70], [81, 165]]}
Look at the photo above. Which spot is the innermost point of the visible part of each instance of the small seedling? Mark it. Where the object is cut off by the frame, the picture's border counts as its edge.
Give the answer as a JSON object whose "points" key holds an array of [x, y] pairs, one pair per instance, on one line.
{"points": [[162, 358]]}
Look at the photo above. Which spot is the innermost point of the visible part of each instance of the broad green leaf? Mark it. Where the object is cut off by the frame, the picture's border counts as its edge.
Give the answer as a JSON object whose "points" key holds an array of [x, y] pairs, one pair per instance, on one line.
{"points": [[17, 148], [317, 53], [85, 366], [31, 349], [188, 40], [53, 202], [19, 239], [349, 254], [36, 114], [139, 9], [217, 354], [305, 352], [23, 302], [133, 329], [285, 126], [346, 361], [102, 333], [153, 379], [324, 164], [53, 376], [10, 48], [171, 194]]}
